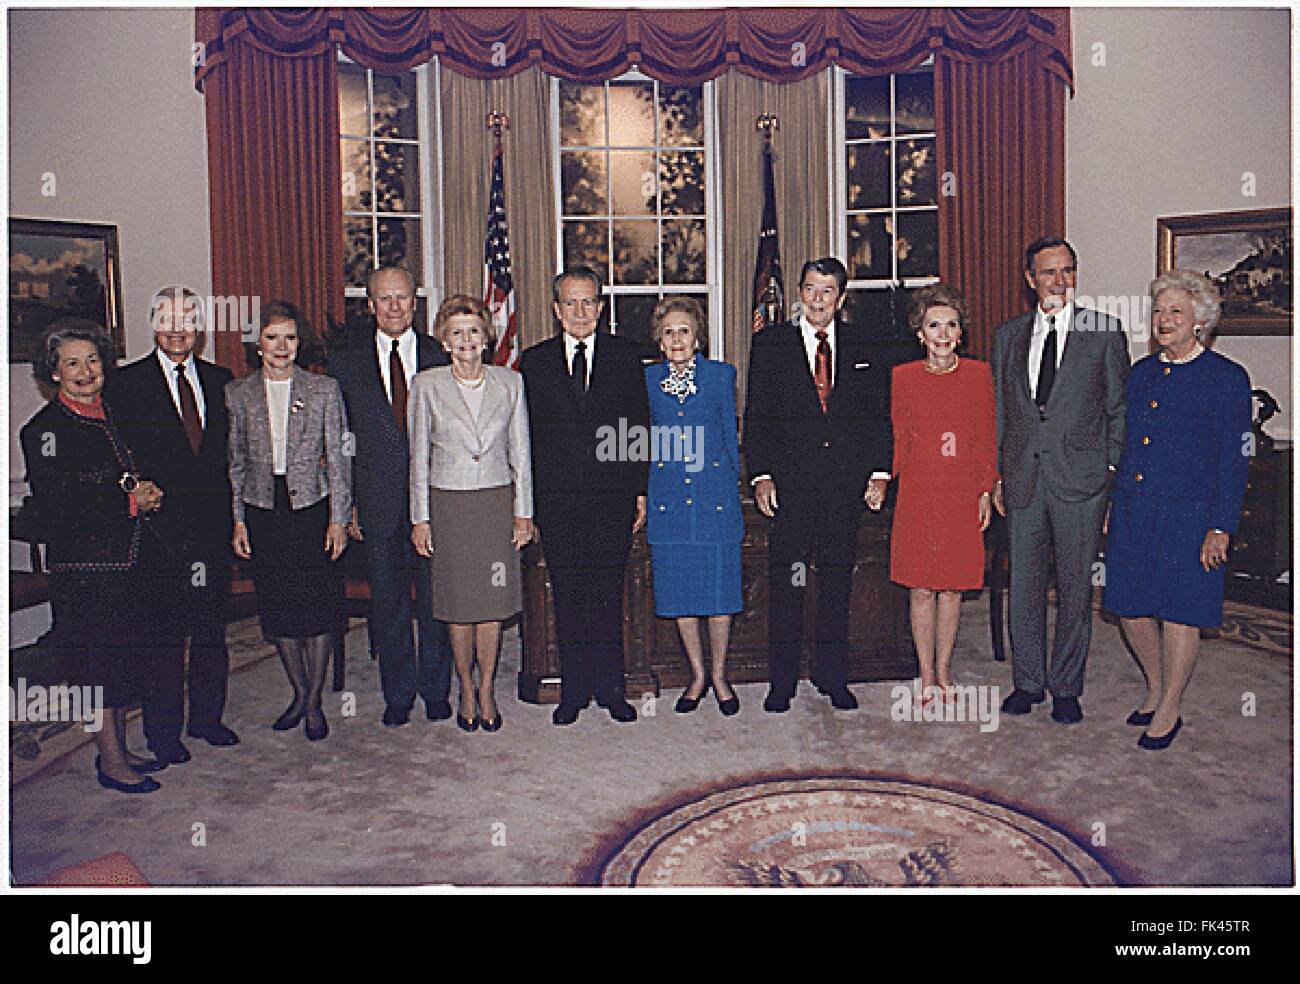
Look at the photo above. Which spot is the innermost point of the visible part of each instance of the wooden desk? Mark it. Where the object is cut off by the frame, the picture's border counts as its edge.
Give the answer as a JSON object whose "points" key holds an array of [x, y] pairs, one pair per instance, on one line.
{"points": [[880, 642]]}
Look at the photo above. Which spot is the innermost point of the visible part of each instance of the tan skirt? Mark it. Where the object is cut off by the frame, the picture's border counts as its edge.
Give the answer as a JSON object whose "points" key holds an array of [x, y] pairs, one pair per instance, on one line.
{"points": [[475, 567]]}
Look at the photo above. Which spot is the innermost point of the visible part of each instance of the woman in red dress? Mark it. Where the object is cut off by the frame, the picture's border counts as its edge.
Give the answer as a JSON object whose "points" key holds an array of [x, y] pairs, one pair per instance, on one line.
{"points": [[945, 460]]}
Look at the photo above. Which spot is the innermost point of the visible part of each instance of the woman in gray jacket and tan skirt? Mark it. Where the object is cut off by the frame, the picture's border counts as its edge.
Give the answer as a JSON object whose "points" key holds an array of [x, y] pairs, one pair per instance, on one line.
{"points": [[471, 496], [292, 496]]}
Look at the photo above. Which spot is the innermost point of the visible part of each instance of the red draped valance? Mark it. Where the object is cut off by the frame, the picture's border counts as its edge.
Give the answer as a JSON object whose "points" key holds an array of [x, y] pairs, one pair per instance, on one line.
{"points": [[683, 47]]}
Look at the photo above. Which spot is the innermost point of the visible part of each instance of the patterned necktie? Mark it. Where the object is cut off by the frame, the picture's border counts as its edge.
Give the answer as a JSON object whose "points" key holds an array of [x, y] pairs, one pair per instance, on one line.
{"points": [[822, 369], [189, 409], [1047, 368], [580, 374], [397, 382]]}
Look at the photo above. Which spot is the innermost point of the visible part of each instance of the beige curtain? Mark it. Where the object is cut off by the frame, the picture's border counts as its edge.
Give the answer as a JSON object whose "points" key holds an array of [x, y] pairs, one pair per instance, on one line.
{"points": [[530, 189], [802, 186]]}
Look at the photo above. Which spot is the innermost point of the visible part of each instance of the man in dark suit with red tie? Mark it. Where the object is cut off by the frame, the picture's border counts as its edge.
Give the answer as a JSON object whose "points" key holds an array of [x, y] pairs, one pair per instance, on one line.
{"points": [[818, 443], [577, 384], [376, 377], [171, 410]]}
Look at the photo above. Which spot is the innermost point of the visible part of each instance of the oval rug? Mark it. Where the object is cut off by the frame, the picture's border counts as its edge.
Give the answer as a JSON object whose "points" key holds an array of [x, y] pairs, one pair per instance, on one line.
{"points": [[850, 831]]}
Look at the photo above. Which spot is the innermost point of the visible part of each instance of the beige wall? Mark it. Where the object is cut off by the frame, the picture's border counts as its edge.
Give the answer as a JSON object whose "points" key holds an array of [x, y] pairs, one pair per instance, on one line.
{"points": [[1187, 101], [105, 101]]}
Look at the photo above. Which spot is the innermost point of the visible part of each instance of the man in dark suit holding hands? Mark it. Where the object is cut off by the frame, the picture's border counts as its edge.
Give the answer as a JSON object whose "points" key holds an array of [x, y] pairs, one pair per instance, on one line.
{"points": [[1059, 372], [171, 409], [818, 443], [586, 508], [376, 378]]}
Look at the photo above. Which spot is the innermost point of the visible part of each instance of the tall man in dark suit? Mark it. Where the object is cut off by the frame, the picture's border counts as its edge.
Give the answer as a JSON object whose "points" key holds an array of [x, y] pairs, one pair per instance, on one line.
{"points": [[376, 378], [586, 508], [1059, 373], [818, 443], [171, 409]]}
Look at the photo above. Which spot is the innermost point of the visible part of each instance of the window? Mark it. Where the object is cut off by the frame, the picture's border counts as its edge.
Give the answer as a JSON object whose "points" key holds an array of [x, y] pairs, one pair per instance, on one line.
{"points": [[635, 187], [885, 220], [384, 148]]}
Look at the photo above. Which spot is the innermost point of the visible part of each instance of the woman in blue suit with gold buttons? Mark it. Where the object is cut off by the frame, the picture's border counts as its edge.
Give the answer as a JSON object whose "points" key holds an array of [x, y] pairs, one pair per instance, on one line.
{"points": [[1178, 494], [694, 526]]}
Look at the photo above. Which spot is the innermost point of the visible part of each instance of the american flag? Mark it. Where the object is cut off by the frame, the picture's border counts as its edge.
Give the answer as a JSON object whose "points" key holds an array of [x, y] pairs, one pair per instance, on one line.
{"points": [[769, 290], [498, 284]]}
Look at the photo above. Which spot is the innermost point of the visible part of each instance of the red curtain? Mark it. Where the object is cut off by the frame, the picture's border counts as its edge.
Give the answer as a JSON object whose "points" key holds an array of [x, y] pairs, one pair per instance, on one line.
{"points": [[1002, 139], [273, 184]]}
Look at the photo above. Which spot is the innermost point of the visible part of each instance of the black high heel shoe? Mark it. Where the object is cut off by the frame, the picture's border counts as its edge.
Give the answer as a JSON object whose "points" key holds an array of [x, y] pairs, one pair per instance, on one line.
{"points": [[470, 724], [686, 704], [1140, 719], [493, 725], [1164, 741], [729, 707], [290, 719], [145, 785]]}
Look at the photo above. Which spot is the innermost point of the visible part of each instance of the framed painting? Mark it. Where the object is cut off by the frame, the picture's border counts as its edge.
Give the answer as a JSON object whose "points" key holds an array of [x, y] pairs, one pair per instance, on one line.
{"points": [[61, 269], [1246, 254]]}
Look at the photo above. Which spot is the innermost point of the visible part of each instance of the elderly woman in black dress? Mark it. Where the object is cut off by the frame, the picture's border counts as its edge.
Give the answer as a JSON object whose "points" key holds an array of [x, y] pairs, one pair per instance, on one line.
{"points": [[90, 507]]}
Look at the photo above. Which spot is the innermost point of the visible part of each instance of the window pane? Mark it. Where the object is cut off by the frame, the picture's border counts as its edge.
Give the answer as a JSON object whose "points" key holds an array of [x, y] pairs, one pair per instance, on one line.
{"points": [[631, 114], [633, 182], [914, 95], [685, 246], [582, 115], [869, 176], [397, 177], [681, 182], [866, 104], [681, 116], [918, 244], [869, 246], [636, 252], [354, 118], [585, 244], [357, 318], [358, 250], [632, 320], [882, 314], [582, 180], [395, 106], [355, 155], [916, 173], [399, 245]]}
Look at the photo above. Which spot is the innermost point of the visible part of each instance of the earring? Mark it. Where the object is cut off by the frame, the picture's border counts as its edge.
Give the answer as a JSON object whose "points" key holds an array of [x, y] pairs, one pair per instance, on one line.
{"points": [[920, 338], [1196, 330]]}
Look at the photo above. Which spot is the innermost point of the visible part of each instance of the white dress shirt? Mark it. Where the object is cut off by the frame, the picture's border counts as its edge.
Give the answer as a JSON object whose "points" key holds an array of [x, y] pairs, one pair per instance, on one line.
{"points": [[277, 407], [192, 374], [1063, 319], [571, 349], [408, 350]]}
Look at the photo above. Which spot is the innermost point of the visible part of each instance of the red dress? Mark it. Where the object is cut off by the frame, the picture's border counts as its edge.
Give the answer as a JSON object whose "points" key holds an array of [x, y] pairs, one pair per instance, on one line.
{"points": [[945, 456]]}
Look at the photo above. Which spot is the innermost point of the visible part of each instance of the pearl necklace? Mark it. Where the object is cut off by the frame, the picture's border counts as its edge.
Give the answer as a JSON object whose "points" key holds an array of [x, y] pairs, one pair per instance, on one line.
{"points": [[469, 383], [1197, 349], [942, 372]]}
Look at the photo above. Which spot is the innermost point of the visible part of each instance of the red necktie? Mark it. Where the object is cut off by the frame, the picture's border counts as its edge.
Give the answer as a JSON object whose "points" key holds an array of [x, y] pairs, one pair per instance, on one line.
{"points": [[822, 369], [397, 380], [189, 409]]}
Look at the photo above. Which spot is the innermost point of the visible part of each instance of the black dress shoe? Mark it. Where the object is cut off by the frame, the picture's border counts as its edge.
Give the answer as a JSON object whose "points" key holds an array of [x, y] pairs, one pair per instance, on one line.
{"points": [[1066, 710], [290, 719], [686, 704], [620, 710], [493, 725], [565, 714], [1164, 741], [467, 724], [1021, 702], [437, 710], [173, 754], [395, 717], [842, 698], [316, 732], [145, 785], [729, 707], [214, 734], [1140, 719], [776, 703]]}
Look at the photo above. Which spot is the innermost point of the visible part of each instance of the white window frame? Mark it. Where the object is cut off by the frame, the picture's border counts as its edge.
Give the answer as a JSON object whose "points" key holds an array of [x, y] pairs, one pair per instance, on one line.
{"points": [[712, 289], [838, 193], [428, 141]]}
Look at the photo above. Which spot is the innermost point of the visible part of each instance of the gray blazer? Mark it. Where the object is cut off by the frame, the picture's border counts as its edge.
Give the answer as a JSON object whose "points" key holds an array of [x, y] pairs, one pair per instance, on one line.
{"points": [[317, 465], [450, 451], [1078, 439]]}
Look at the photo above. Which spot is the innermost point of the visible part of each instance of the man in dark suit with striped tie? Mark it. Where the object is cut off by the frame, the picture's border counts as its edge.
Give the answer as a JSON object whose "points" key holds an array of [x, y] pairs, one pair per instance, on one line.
{"points": [[375, 377], [171, 410]]}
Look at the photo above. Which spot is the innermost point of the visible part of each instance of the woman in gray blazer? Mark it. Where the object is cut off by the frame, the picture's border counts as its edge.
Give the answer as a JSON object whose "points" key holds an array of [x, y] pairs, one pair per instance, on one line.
{"points": [[291, 483], [468, 426]]}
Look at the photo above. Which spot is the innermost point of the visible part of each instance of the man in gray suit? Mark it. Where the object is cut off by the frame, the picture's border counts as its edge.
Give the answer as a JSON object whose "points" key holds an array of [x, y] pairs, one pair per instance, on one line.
{"points": [[1059, 374]]}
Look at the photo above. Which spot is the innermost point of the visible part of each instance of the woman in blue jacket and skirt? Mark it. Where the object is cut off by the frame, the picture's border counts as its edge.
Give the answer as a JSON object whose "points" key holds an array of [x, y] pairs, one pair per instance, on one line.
{"points": [[694, 526]]}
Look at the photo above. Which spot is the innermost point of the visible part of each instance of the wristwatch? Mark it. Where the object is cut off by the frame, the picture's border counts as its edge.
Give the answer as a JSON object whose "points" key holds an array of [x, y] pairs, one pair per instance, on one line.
{"points": [[129, 482]]}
